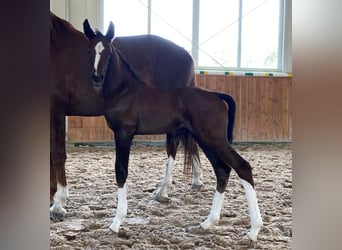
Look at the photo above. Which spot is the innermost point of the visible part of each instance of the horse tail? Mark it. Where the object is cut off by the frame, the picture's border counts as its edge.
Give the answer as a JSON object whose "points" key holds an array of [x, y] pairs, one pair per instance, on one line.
{"points": [[231, 114]]}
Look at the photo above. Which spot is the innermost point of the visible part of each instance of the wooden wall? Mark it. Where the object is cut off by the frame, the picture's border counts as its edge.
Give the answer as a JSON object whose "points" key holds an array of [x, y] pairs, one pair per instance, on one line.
{"points": [[264, 111]]}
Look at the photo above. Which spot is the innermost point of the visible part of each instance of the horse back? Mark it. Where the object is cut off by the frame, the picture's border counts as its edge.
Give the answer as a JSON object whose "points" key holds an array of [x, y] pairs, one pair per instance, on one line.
{"points": [[157, 61]]}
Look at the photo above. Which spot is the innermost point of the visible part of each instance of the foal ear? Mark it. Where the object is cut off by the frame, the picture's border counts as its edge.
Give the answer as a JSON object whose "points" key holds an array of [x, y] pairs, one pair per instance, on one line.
{"points": [[87, 30], [110, 31]]}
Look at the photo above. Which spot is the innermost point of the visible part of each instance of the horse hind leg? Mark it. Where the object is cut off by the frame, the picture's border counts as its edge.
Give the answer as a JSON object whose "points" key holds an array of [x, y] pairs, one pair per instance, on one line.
{"points": [[244, 171], [222, 172], [254, 212], [161, 194]]}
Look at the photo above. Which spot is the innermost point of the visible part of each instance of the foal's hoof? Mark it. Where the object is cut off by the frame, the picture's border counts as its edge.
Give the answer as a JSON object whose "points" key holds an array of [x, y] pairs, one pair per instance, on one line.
{"points": [[114, 228], [196, 186], [162, 199], [57, 216], [252, 236]]}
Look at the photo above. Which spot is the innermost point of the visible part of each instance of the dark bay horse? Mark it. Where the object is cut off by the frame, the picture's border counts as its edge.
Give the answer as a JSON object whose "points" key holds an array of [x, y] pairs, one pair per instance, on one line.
{"points": [[132, 107], [72, 92]]}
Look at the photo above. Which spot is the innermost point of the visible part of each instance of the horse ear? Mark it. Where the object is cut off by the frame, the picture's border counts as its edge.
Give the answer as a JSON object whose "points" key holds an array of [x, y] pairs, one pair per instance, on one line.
{"points": [[87, 30], [110, 31]]}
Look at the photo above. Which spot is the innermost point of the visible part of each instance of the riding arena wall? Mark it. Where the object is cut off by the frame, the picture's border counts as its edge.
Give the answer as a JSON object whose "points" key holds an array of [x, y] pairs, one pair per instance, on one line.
{"points": [[263, 111]]}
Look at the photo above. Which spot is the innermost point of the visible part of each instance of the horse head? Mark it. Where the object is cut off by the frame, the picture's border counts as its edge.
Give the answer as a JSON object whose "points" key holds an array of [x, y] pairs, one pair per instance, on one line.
{"points": [[100, 51]]}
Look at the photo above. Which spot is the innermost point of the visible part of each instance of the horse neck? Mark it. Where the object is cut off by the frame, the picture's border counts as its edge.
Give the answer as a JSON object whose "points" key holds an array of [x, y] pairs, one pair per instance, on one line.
{"points": [[64, 33]]}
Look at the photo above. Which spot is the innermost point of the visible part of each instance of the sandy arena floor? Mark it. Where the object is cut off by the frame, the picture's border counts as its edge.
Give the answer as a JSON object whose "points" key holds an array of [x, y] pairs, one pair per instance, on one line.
{"points": [[174, 225]]}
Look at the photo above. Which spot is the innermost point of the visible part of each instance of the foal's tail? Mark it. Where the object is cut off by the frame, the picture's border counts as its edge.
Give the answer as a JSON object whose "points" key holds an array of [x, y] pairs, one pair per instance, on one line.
{"points": [[231, 114]]}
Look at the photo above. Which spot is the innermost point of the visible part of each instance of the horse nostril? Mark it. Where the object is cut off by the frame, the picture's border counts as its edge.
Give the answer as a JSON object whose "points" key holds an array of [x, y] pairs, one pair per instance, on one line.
{"points": [[97, 78]]}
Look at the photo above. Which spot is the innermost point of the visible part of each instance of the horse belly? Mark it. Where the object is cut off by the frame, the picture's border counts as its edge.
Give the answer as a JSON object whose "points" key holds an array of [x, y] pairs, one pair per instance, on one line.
{"points": [[157, 121]]}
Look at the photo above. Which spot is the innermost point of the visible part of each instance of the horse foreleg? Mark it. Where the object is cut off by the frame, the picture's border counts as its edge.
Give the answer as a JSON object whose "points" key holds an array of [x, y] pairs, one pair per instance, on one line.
{"points": [[121, 210], [58, 183], [123, 143], [196, 172], [161, 194], [57, 212]]}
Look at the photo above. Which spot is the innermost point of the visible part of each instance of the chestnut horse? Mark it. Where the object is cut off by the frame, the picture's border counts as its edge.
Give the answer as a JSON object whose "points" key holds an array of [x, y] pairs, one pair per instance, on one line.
{"points": [[132, 107], [72, 92]]}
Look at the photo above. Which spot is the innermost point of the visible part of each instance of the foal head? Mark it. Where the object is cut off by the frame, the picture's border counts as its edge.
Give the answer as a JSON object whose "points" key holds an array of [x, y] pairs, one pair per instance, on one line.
{"points": [[100, 52]]}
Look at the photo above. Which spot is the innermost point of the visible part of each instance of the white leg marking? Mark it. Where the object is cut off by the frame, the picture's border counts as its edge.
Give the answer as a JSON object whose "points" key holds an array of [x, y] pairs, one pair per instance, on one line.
{"points": [[196, 172], [214, 215], [121, 210], [98, 49], [254, 212], [59, 200], [162, 192]]}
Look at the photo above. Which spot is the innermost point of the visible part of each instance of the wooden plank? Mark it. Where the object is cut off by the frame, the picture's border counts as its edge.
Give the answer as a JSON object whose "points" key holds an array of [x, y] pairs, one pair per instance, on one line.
{"points": [[252, 126], [276, 111], [238, 126], [263, 102], [258, 129], [268, 110], [244, 108], [289, 93]]}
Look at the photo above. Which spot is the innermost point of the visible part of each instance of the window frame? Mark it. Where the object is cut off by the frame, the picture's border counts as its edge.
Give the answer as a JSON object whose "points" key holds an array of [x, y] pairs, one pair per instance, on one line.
{"points": [[284, 38]]}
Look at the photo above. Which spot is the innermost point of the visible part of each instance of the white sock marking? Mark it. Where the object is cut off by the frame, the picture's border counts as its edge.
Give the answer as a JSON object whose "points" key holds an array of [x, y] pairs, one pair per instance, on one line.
{"points": [[60, 199], [254, 212], [196, 172], [121, 210], [214, 215], [98, 49], [167, 182]]}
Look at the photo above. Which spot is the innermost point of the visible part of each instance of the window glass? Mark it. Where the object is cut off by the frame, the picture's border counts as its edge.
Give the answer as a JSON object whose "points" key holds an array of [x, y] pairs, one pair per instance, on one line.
{"points": [[218, 33], [129, 16], [221, 42], [260, 31], [172, 19]]}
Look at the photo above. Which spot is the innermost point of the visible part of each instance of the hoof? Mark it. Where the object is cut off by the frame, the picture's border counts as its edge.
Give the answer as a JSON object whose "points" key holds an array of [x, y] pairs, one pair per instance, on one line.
{"points": [[57, 216], [252, 236], [196, 186], [161, 199], [114, 228], [208, 223]]}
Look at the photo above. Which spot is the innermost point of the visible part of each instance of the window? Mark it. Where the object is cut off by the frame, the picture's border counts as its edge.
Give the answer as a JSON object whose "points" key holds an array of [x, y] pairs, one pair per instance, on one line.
{"points": [[220, 34]]}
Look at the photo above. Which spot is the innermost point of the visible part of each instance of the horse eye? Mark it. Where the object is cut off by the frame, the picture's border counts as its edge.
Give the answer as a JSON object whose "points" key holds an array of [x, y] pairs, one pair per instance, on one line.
{"points": [[88, 51]]}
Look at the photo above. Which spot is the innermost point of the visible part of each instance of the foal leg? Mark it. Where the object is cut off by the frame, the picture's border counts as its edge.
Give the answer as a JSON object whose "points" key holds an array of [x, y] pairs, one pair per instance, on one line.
{"points": [[161, 194], [244, 172], [222, 172], [123, 144]]}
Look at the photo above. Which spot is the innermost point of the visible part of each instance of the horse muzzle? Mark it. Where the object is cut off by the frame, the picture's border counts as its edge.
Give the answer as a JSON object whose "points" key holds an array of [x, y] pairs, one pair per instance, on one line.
{"points": [[97, 79]]}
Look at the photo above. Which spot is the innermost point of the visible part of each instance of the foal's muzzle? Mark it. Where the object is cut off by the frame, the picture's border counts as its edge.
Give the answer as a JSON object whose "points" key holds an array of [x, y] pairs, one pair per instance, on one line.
{"points": [[97, 80]]}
